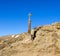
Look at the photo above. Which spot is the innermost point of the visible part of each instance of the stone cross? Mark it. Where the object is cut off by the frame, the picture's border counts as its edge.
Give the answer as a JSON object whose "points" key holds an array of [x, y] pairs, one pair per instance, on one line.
{"points": [[29, 23]]}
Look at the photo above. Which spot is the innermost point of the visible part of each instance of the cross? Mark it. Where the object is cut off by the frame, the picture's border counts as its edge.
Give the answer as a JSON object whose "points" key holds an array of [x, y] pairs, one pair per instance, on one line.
{"points": [[29, 15]]}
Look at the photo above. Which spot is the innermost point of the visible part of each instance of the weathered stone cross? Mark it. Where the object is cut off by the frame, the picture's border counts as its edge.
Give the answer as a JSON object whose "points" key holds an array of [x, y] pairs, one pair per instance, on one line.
{"points": [[29, 23]]}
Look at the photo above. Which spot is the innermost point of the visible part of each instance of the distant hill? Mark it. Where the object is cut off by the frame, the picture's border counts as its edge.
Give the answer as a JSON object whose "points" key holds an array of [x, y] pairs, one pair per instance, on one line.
{"points": [[43, 41]]}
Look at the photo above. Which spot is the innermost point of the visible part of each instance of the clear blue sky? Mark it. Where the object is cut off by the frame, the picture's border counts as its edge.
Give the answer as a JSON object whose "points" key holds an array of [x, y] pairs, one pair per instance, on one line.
{"points": [[13, 14]]}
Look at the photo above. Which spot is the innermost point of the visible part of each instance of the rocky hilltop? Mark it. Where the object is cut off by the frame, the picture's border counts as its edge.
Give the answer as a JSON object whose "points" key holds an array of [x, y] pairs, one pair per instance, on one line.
{"points": [[43, 41]]}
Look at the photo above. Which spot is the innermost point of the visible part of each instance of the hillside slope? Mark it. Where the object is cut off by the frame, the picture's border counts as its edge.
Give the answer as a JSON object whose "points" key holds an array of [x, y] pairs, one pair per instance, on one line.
{"points": [[45, 42]]}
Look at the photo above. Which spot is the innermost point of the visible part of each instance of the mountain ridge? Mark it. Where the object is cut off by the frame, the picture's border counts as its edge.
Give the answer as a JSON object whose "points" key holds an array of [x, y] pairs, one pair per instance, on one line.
{"points": [[45, 42]]}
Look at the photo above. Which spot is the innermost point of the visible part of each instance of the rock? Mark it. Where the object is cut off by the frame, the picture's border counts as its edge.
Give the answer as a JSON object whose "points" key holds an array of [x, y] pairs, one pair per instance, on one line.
{"points": [[2, 46], [48, 28], [46, 42], [13, 36]]}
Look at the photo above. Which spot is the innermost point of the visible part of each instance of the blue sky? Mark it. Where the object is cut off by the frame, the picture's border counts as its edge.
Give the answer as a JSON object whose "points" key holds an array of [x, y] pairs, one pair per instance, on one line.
{"points": [[14, 14]]}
